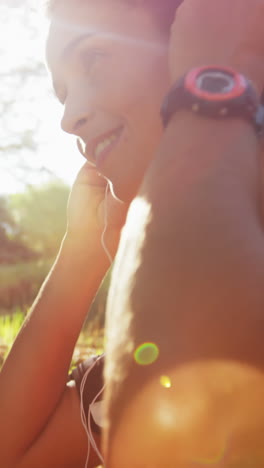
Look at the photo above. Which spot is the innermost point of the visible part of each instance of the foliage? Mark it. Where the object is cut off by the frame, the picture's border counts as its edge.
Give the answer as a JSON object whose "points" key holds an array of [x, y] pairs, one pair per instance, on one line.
{"points": [[6, 219], [19, 284], [32, 145], [20, 74], [40, 212], [12, 248], [32, 225], [9, 328]]}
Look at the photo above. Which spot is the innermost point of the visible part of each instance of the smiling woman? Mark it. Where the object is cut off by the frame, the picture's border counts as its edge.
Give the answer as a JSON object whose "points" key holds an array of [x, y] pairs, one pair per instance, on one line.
{"points": [[187, 285], [102, 65], [111, 85]]}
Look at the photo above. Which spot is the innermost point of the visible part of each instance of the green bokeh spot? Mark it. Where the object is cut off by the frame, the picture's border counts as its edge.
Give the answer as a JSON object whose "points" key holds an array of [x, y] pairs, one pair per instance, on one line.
{"points": [[146, 354]]}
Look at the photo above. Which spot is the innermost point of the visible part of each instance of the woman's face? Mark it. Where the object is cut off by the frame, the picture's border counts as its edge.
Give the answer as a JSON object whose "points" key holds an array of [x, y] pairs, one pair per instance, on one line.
{"points": [[109, 67]]}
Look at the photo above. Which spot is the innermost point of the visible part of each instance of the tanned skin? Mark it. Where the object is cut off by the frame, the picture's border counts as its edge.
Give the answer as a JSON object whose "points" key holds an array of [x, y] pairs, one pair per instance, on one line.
{"points": [[189, 278], [40, 422], [194, 290]]}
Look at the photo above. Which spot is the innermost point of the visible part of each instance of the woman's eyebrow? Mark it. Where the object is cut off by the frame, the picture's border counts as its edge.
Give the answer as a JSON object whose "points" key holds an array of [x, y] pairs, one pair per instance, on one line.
{"points": [[74, 43]]}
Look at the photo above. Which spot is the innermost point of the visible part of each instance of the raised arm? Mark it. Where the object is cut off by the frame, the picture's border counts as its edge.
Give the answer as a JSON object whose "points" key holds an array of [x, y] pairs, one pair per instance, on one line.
{"points": [[189, 279], [38, 411]]}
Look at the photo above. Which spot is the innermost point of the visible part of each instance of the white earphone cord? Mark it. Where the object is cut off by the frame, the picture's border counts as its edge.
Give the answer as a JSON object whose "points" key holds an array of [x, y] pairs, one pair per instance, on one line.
{"points": [[81, 150], [87, 424], [105, 226], [83, 418], [92, 441]]}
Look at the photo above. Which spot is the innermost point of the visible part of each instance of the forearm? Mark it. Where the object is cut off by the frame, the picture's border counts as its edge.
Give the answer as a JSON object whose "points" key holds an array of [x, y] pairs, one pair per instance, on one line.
{"points": [[196, 288], [204, 190], [34, 375], [206, 215]]}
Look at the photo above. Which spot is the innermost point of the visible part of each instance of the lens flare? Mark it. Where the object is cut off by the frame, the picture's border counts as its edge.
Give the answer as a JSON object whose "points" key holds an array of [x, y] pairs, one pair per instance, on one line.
{"points": [[159, 45], [146, 354], [212, 461], [165, 381]]}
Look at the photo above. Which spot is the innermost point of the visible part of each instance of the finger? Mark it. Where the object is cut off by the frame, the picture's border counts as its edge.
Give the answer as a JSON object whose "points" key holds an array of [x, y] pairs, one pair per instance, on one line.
{"points": [[116, 210], [88, 175]]}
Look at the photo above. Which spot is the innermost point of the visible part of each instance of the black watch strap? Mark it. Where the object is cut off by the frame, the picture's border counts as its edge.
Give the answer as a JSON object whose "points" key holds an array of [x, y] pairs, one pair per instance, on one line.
{"points": [[215, 92]]}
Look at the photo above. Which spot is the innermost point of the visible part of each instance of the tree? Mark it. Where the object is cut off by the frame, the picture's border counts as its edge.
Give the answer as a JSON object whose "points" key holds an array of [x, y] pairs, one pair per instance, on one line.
{"points": [[23, 86], [40, 213], [12, 247]]}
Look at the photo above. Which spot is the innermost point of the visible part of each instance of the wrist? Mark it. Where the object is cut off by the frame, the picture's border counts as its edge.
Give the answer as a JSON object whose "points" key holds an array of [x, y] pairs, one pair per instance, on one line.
{"points": [[83, 255], [215, 92], [223, 150], [87, 248], [250, 67]]}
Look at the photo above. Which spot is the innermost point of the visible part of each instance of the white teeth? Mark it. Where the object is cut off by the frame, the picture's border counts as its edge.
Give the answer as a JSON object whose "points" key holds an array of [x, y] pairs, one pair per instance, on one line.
{"points": [[103, 144]]}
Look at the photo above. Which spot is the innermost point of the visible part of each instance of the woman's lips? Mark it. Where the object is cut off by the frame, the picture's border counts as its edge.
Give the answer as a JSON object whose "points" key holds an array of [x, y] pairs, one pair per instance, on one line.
{"points": [[99, 148], [103, 154]]}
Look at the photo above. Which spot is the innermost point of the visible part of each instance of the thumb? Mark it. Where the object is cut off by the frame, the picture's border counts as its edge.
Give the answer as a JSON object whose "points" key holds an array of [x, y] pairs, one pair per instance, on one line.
{"points": [[88, 175]]}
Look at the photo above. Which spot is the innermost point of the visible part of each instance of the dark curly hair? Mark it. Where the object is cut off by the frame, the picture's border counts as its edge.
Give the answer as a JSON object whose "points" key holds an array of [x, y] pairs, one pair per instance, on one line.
{"points": [[163, 10]]}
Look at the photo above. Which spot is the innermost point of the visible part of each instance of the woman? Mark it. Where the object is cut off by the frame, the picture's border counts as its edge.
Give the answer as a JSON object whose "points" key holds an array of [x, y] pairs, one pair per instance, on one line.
{"points": [[109, 65], [103, 82]]}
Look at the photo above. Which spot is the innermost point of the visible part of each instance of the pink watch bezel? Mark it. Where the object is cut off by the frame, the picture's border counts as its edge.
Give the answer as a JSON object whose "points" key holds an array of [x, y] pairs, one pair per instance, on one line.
{"points": [[240, 84]]}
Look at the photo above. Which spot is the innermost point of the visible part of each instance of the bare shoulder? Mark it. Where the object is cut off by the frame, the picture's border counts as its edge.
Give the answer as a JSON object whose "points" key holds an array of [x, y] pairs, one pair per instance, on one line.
{"points": [[63, 442]]}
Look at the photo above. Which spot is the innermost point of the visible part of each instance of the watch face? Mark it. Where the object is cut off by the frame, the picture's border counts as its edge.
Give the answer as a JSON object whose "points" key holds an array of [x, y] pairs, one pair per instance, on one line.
{"points": [[215, 82]]}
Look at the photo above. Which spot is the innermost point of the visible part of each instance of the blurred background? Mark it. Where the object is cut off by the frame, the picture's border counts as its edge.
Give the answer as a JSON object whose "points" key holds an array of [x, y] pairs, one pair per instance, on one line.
{"points": [[38, 163]]}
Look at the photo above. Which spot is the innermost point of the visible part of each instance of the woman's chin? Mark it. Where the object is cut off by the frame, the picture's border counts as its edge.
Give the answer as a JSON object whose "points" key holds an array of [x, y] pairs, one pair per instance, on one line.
{"points": [[124, 193]]}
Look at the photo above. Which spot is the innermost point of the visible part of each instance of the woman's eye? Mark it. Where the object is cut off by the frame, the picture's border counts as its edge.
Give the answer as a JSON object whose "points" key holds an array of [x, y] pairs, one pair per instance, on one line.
{"points": [[89, 58]]}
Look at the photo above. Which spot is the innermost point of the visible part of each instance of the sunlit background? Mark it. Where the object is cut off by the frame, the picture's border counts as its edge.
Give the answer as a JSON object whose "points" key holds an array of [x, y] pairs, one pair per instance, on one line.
{"points": [[31, 143], [38, 163]]}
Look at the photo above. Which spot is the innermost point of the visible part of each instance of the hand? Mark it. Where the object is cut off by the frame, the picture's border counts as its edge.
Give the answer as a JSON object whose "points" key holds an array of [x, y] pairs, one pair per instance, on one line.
{"points": [[89, 205], [219, 32]]}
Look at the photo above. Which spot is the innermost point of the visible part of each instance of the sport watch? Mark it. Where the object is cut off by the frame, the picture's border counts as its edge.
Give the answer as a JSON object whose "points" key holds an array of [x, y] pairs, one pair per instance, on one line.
{"points": [[216, 92]]}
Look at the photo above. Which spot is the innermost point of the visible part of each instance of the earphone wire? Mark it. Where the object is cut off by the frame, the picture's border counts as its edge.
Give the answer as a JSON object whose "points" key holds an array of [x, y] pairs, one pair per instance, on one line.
{"points": [[105, 226], [87, 423], [82, 151], [83, 416], [92, 441]]}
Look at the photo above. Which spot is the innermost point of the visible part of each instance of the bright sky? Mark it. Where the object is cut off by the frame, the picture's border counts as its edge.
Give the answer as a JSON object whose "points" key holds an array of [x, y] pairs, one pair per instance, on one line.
{"points": [[30, 103]]}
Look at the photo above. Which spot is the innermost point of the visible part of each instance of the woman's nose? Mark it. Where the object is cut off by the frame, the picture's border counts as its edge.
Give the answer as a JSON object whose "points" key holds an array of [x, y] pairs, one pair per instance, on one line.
{"points": [[71, 126], [75, 117]]}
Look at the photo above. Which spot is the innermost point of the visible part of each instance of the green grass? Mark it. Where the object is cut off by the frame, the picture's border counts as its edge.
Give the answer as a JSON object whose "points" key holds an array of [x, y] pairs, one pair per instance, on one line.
{"points": [[90, 342], [9, 328]]}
